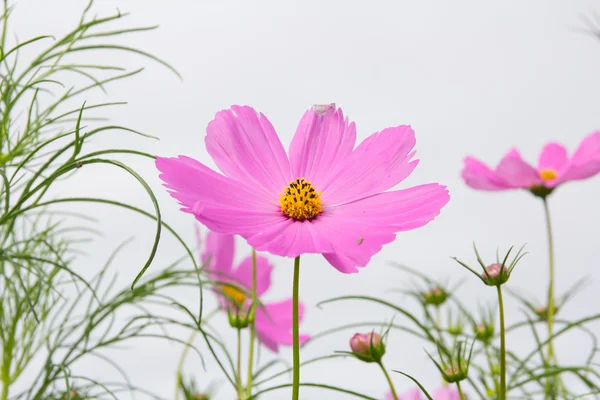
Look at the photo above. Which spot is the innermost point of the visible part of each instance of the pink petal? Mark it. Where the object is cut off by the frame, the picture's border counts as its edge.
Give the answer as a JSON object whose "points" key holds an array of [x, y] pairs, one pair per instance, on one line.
{"points": [[516, 172], [218, 251], [274, 324], [414, 394], [479, 176], [585, 162], [291, 238], [323, 140], [446, 393], [190, 182], [553, 156], [243, 274], [246, 148], [358, 230], [380, 162]]}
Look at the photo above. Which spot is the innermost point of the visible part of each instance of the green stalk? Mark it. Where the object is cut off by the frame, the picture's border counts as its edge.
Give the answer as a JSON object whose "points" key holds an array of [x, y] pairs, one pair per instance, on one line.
{"points": [[240, 389], [252, 327], [502, 346], [296, 331], [550, 317], [460, 393], [389, 380]]}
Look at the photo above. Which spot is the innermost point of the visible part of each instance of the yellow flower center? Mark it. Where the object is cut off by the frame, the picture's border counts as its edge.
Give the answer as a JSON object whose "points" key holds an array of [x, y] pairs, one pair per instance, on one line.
{"points": [[235, 295], [300, 200], [548, 174]]}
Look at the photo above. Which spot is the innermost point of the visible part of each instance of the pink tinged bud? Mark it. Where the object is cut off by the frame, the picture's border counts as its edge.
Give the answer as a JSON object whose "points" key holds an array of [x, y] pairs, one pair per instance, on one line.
{"points": [[367, 347], [495, 275]]}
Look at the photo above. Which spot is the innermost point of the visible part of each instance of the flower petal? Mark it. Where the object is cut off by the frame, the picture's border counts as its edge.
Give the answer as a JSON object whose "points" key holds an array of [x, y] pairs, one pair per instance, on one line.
{"points": [[516, 172], [243, 274], [323, 140], [191, 182], [586, 159], [218, 251], [479, 176], [380, 162], [274, 324], [553, 156], [246, 148], [446, 393], [358, 230], [291, 238]]}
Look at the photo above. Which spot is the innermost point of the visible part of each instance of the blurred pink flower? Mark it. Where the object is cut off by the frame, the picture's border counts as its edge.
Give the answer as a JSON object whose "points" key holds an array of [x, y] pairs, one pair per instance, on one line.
{"points": [[553, 168], [414, 394], [327, 197], [273, 321], [443, 393]]}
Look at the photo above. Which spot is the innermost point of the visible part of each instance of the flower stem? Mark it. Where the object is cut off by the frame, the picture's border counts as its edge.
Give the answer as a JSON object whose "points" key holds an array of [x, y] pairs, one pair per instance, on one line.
{"points": [[252, 327], [240, 389], [460, 393], [387, 376], [296, 331], [550, 306], [502, 346]]}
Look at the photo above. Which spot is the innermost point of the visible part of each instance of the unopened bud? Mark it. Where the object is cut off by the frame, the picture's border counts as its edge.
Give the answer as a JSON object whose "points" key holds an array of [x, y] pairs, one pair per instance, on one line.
{"points": [[367, 347], [495, 275], [239, 319], [542, 312], [199, 396], [484, 332], [456, 373], [435, 296]]}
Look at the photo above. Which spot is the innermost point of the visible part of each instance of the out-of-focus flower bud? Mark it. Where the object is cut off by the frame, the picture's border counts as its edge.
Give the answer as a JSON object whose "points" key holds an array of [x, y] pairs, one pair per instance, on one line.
{"points": [[454, 367], [484, 332], [436, 296], [238, 318], [542, 312], [368, 347], [199, 396]]}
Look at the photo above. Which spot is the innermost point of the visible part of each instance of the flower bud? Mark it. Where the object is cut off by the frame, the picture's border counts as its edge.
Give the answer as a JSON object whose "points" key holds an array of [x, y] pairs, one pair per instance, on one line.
{"points": [[199, 396], [542, 312], [238, 318], [435, 296], [456, 373], [484, 332], [367, 347], [495, 274]]}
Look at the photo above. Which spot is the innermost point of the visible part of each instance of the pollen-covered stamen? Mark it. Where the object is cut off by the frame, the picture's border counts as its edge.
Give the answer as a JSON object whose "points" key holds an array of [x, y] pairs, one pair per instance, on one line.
{"points": [[548, 174], [300, 200], [234, 294]]}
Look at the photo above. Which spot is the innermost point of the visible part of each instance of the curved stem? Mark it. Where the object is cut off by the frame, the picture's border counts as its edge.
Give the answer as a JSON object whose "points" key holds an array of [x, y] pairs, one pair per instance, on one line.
{"points": [[502, 346], [252, 327], [296, 331], [389, 380], [460, 393], [550, 306], [240, 389]]}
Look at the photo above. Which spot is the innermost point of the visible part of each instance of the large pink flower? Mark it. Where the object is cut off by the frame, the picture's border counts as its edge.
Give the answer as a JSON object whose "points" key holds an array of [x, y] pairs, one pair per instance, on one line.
{"points": [[553, 168], [443, 393], [327, 197], [273, 320]]}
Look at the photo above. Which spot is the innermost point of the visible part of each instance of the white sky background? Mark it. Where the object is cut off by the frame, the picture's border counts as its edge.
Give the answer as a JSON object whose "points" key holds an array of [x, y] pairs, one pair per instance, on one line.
{"points": [[471, 77]]}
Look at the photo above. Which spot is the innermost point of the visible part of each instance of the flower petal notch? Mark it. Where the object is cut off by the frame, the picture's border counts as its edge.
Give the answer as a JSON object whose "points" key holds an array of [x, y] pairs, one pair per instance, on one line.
{"points": [[554, 168], [328, 197]]}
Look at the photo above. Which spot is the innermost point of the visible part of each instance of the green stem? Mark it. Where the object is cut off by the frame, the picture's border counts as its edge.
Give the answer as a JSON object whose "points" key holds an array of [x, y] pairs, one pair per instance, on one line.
{"points": [[252, 326], [240, 389], [460, 393], [180, 365], [502, 346], [296, 331], [389, 380], [550, 306]]}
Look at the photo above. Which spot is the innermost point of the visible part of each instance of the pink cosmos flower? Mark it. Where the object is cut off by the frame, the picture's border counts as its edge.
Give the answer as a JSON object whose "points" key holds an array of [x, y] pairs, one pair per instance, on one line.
{"points": [[443, 393], [553, 168], [414, 394], [327, 197], [273, 321]]}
